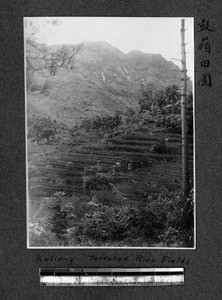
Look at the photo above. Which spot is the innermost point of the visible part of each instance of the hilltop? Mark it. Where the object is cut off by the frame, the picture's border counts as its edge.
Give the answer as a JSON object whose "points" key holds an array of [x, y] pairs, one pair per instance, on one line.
{"points": [[100, 79]]}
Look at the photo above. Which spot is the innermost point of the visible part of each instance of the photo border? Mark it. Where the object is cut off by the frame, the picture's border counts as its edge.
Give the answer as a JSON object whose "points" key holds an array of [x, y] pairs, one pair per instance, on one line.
{"points": [[194, 170]]}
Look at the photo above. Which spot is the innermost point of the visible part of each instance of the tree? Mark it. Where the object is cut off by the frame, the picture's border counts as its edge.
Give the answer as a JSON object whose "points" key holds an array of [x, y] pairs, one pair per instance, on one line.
{"points": [[159, 98], [155, 100], [146, 99], [41, 58], [172, 94], [164, 107], [44, 60], [40, 128]]}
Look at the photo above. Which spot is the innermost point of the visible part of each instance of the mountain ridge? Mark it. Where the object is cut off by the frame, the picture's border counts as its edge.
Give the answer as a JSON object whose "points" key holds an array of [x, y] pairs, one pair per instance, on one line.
{"points": [[100, 79]]}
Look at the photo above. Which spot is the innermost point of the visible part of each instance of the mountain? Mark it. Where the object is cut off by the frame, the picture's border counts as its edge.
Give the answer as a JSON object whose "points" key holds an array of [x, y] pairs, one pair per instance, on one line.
{"points": [[100, 79]]}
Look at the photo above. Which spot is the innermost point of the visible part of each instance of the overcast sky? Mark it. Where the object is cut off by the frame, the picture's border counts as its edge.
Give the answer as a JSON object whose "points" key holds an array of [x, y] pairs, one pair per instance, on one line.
{"points": [[149, 35]]}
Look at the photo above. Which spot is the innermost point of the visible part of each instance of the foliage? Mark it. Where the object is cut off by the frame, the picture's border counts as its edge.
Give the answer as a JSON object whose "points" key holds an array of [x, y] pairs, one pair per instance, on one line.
{"points": [[159, 219], [125, 164], [74, 130], [97, 183], [41, 58], [163, 107], [172, 94], [106, 197], [162, 219], [55, 216], [146, 99], [29, 77], [41, 127], [161, 147], [130, 112], [105, 223], [101, 122], [159, 110]]}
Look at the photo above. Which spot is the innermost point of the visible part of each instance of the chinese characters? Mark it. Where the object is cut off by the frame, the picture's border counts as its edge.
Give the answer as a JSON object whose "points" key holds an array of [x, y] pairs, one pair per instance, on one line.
{"points": [[205, 48]]}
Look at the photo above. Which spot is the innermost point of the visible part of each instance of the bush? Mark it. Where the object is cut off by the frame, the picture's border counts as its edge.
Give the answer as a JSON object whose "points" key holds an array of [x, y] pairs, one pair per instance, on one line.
{"points": [[163, 107], [163, 218], [161, 147], [117, 223], [130, 112], [106, 197], [41, 127], [104, 223], [101, 122], [97, 183]]}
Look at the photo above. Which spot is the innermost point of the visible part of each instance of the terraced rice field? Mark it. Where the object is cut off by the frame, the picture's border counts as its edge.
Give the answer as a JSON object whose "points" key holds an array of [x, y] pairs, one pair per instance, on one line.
{"points": [[127, 163]]}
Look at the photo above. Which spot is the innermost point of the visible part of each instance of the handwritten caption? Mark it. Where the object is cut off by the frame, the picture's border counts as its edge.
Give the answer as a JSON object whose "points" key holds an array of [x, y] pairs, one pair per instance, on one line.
{"points": [[204, 48], [165, 259]]}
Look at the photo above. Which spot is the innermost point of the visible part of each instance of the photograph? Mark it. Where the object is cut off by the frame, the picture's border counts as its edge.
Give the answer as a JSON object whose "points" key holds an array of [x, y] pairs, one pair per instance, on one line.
{"points": [[110, 132]]}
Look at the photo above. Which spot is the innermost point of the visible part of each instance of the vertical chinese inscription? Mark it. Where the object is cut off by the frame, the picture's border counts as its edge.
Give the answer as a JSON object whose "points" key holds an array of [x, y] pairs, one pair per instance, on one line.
{"points": [[205, 48]]}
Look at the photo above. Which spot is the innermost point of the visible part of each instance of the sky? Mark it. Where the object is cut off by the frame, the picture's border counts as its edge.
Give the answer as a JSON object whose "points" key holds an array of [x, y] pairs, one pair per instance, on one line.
{"points": [[149, 35]]}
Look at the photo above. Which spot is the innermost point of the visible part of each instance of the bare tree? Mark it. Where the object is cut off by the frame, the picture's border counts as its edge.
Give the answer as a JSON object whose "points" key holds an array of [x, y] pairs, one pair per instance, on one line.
{"points": [[44, 59]]}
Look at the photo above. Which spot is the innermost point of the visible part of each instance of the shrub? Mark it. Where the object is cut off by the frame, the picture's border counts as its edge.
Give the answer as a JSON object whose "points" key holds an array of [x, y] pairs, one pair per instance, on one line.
{"points": [[41, 127], [163, 218], [161, 147], [105, 223], [106, 198], [123, 222], [97, 183], [101, 122], [130, 112], [164, 108]]}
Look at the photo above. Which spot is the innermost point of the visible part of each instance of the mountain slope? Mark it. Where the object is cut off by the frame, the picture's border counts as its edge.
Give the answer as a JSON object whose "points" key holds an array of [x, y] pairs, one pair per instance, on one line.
{"points": [[100, 79]]}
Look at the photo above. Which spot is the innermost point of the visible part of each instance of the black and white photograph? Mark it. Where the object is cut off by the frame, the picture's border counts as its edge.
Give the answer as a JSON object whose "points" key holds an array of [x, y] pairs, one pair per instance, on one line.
{"points": [[110, 132]]}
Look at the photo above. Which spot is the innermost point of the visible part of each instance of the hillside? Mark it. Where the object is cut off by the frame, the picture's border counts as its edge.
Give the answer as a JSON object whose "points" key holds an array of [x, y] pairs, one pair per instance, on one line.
{"points": [[100, 79], [115, 177]]}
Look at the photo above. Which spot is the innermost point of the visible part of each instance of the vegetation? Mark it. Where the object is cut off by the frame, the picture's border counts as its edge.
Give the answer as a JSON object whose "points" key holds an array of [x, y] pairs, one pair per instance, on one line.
{"points": [[105, 215], [157, 108], [40, 128], [101, 122], [159, 220], [163, 107], [41, 58]]}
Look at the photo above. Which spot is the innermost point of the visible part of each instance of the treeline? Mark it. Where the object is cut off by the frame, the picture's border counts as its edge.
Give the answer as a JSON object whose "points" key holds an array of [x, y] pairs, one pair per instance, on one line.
{"points": [[158, 108], [163, 107], [101, 122]]}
